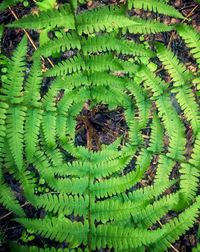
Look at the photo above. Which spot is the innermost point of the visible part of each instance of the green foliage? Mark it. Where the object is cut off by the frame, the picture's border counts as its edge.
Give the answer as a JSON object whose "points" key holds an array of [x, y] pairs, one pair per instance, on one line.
{"points": [[5, 4], [159, 6], [99, 199]]}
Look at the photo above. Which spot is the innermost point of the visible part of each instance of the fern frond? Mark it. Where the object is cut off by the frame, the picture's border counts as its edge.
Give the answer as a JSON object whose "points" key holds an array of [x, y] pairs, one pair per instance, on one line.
{"points": [[90, 63], [25, 248], [175, 130], [106, 79], [121, 238], [117, 185], [8, 199], [33, 85], [186, 99], [60, 229], [97, 170], [106, 18], [3, 111], [177, 70], [192, 40], [156, 140], [158, 6], [61, 17], [66, 42], [114, 209], [148, 216], [152, 81], [189, 181], [16, 68], [176, 227], [32, 128], [177, 143], [66, 67], [195, 158], [109, 42], [62, 204], [143, 26], [49, 128], [14, 133], [6, 3], [163, 170]]}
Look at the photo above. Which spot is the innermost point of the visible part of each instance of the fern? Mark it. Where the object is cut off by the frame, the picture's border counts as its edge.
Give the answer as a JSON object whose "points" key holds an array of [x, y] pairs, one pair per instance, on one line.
{"points": [[7, 198], [53, 18], [5, 4], [156, 6], [98, 199], [191, 38]]}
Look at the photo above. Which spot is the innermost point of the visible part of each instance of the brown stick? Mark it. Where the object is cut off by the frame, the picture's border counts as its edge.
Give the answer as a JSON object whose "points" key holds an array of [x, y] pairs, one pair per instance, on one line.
{"points": [[9, 213], [185, 18]]}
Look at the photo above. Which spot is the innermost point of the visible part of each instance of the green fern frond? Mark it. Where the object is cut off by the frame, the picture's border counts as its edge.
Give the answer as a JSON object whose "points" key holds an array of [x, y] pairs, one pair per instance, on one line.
{"points": [[121, 238], [175, 132], [156, 142], [152, 81], [73, 232], [176, 227], [158, 6], [114, 210], [104, 18], [16, 68], [16, 247], [114, 185], [32, 128], [189, 181], [192, 40], [3, 111], [186, 99], [143, 26], [177, 70], [66, 67], [52, 18], [49, 129], [33, 84], [65, 42], [109, 42], [8, 199], [5, 4], [14, 133], [164, 169], [61, 203], [152, 213], [195, 158], [90, 63]]}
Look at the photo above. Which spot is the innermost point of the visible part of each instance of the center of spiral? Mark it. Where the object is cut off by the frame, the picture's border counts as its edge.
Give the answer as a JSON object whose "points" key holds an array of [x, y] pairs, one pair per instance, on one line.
{"points": [[98, 125]]}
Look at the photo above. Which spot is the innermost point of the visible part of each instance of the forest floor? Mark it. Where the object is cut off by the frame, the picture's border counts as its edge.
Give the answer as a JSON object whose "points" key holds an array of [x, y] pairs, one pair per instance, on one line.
{"points": [[106, 125]]}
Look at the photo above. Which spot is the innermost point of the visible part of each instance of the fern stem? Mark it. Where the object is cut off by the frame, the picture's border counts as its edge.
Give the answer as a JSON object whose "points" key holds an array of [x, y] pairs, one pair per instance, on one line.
{"points": [[88, 140], [89, 213]]}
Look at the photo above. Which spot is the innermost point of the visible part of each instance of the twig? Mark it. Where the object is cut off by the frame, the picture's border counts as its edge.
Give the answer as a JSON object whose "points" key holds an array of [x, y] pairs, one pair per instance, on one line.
{"points": [[9, 213], [185, 18], [29, 37], [190, 13]]}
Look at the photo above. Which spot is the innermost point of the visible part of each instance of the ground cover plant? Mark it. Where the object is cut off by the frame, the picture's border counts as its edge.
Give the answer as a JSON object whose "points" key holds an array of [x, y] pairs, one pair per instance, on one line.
{"points": [[99, 69]]}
